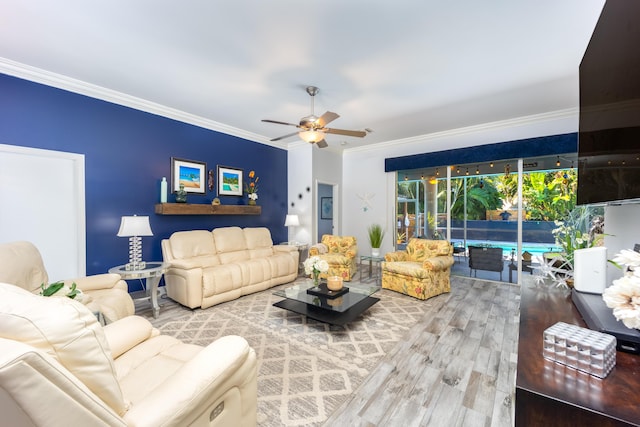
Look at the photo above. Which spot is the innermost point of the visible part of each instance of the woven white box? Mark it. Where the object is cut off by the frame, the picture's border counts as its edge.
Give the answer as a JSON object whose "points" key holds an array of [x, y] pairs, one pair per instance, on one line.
{"points": [[580, 348]]}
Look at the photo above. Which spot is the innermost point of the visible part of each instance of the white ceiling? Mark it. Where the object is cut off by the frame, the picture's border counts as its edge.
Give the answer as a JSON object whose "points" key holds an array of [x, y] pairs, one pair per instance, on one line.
{"points": [[402, 68]]}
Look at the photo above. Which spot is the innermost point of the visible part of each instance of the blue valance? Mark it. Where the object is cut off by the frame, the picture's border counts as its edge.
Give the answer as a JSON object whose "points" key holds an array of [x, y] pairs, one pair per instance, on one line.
{"points": [[524, 148]]}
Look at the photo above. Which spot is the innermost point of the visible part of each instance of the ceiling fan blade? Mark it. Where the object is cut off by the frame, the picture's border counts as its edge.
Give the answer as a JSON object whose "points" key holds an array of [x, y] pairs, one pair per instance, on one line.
{"points": [[322, 143], [279, 122], [284, 136], [356, 133], [327, 117]]}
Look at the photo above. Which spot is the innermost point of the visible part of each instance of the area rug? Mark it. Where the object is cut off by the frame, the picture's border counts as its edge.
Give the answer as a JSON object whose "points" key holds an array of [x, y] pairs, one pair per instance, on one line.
{"points": [[306, 369]]}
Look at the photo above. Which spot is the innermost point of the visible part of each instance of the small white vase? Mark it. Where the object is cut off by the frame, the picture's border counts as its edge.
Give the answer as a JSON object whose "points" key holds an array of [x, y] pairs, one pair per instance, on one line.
{"points": [[375, 252]]}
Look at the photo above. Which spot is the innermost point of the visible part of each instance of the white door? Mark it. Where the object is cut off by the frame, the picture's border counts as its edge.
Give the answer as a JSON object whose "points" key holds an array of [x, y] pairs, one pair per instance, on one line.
{"points": [[42, 201]]}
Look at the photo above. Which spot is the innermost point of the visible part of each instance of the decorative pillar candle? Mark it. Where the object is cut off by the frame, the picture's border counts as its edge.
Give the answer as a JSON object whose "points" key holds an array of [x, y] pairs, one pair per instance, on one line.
{"points": [[334, 283]]}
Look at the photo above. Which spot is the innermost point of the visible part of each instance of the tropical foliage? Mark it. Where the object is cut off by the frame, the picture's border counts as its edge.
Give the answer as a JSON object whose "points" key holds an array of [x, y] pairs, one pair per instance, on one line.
{"points": [[482, 196], [547, 196], [579, 230]]}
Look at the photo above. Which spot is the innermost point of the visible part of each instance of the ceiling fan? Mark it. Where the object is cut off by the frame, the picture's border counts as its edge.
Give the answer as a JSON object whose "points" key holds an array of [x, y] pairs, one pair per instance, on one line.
{"points": [[313, 128]]}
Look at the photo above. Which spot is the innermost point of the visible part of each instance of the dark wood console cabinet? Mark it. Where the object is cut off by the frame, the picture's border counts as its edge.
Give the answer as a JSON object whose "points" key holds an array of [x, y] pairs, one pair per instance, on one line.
{"points": [[550, 394]]}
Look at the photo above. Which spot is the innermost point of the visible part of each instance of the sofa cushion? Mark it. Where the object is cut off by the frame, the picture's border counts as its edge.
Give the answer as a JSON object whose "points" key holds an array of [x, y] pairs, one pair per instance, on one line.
{"points": [[197, 246], [282, 264], [406, 268], [259, 242], [221, 279], [339, 244], [147, 365], [337, 259], [66, 330], [230, 244], [420, 249]]}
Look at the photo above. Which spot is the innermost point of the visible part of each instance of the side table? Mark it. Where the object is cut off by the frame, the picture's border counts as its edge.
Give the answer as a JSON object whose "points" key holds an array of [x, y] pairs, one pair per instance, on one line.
{"points": [[303, 251], [152, 274], [373, 260]]}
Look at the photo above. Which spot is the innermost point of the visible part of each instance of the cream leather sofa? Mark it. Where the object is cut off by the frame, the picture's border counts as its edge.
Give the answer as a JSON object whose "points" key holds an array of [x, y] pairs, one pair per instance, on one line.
{"points": [[59, 367], [210, 267], [21, 264]]}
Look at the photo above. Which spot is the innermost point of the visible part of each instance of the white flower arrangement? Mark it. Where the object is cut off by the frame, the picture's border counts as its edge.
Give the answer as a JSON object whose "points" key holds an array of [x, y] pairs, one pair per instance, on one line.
{"points": [[253, 196], [624, 295], [315, 264]]}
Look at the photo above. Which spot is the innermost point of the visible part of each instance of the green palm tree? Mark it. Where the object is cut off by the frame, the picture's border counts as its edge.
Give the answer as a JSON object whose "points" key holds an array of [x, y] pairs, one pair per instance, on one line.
{"points": [[481, 197], [549, 196]]}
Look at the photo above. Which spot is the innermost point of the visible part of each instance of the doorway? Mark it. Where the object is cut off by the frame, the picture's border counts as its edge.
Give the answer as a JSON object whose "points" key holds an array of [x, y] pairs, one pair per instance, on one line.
{"points": [[46, 192], [325, 210]]}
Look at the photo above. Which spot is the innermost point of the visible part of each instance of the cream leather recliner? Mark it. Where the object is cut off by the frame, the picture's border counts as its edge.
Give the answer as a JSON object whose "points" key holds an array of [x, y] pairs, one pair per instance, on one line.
{"points": [[210, 267], [59, 367], [21, 264]]}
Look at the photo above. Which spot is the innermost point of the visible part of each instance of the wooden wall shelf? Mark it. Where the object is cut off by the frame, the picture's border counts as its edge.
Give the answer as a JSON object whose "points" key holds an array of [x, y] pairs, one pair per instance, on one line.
{"points": [[202, 209]]}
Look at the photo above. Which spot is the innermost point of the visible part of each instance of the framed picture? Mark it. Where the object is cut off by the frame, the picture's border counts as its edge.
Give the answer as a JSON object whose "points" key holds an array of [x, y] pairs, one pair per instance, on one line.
{"points": [[190, 173], [326, 207], [229, 181]]}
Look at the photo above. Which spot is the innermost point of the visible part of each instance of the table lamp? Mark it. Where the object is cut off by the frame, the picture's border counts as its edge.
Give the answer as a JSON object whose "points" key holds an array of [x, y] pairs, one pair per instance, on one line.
{"points": [[133, 227], [291, 221]]}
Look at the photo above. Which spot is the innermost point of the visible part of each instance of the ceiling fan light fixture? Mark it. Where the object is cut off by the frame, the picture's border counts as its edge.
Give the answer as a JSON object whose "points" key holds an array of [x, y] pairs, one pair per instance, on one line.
{"points": [[311, 136]]}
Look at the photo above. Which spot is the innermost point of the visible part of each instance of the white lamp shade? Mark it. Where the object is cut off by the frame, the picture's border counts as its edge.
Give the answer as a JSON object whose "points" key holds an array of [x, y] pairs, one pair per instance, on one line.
{"points": [[291, 220], [311, 136], [134, 226]]}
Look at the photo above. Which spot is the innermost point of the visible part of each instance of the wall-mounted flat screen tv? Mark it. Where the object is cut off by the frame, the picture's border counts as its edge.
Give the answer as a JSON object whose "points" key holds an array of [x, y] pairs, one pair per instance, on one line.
{"points": [[609, 133]]}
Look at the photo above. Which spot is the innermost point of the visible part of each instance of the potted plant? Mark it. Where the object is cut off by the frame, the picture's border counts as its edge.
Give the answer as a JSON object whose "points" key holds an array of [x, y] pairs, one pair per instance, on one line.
{"points": [[400, 238], [582, 229], [376, 234]]}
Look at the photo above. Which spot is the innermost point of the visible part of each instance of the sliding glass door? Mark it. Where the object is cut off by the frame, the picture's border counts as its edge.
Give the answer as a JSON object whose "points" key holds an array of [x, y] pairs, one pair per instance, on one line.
{"points": [[484, 209]]}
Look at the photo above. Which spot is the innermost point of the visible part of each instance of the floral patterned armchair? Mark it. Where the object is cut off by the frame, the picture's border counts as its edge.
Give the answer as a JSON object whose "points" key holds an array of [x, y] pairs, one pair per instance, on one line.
{"points": [[340, 253], [421, 271]]}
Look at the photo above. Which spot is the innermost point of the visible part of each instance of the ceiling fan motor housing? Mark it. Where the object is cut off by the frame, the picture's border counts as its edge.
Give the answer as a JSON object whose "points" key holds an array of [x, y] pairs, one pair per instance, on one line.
{"points": [[309, 122]]}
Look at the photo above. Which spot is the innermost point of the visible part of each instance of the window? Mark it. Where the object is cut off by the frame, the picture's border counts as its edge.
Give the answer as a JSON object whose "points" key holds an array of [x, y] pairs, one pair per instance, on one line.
{"points": [[484, 202]]}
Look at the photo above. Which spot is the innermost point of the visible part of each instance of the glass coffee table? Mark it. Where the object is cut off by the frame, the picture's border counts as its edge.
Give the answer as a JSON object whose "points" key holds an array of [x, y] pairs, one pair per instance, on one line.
{"points": [[333, 308]]}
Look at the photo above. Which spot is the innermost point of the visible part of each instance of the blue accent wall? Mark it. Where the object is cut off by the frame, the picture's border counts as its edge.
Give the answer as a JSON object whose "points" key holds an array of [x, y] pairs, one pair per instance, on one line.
{"points": [[530, 147], [127, 152]]}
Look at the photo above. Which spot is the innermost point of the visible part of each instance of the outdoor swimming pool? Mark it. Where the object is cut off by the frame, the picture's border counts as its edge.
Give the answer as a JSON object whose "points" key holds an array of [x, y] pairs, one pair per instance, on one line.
{"points": [[535, 249]]}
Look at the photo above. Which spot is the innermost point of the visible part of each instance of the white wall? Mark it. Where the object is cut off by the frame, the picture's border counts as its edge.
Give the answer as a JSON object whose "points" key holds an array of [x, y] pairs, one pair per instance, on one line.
{"points": [[310, 166], [622, 231], [300, 177], [367, 198]]}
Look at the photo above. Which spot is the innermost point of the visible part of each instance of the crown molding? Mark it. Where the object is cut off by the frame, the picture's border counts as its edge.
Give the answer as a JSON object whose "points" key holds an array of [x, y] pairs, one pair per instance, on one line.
{"points": [[59, 81], [567, 113]]}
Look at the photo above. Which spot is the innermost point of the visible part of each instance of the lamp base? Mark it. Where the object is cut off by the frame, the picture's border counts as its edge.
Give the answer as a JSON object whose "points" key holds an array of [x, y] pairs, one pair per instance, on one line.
{"points": [[138, 265]]}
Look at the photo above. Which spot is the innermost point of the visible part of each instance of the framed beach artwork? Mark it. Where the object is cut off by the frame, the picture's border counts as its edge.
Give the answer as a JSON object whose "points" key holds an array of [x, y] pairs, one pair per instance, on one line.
{"points": [[229, 181], [192, 174], [326, 207]]}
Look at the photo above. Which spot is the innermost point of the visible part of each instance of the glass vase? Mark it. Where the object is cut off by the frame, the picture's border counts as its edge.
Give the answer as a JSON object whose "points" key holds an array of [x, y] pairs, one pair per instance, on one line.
{"points": [[316, 278]]}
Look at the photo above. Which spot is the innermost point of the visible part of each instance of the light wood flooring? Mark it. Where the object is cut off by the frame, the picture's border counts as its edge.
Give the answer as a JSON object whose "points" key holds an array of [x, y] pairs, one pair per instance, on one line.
{"points": [[456, 367]]}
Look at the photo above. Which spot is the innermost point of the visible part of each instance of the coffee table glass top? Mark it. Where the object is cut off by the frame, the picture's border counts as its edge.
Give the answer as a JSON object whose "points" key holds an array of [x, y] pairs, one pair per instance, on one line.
{"points": [[357, 292]]}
